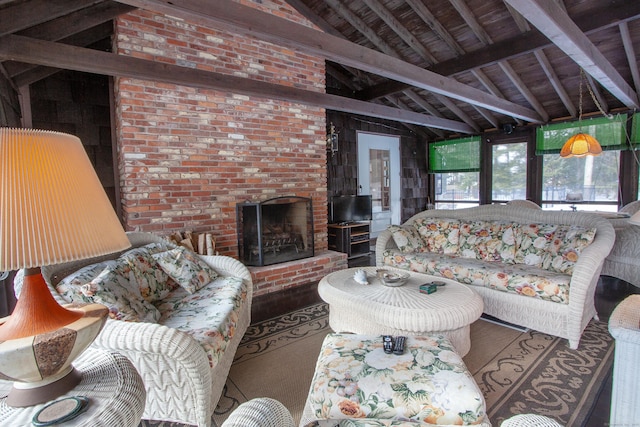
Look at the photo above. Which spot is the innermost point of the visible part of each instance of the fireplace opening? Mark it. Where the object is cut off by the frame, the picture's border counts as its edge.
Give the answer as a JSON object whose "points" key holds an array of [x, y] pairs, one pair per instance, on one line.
{"points": [[275, 231]]}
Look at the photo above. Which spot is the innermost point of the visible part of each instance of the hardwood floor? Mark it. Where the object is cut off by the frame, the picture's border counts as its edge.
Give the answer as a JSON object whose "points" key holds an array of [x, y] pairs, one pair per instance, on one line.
{"points": [[609, 293]]}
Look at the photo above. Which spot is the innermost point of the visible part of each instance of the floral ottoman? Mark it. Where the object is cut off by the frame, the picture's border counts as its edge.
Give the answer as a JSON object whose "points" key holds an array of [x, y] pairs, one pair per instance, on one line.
{"points": [[428, 384]]}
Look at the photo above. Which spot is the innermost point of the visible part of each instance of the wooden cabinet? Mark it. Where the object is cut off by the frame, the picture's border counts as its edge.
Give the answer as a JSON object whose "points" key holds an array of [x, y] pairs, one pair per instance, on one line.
{"points": [[352, 239]]}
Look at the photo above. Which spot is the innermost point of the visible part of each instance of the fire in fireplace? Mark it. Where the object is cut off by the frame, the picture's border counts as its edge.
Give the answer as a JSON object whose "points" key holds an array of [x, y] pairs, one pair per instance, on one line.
{"points": [[274, 231]]}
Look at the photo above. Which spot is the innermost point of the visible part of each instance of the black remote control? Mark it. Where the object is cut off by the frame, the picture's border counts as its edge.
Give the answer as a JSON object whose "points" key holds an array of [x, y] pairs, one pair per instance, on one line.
{"points": [[387, 344], [398, 348]]}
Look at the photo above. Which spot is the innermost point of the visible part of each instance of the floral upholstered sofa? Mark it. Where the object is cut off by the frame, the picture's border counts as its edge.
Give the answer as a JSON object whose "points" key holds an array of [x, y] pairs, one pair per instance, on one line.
{"points": [[533, 268], [178, 317]]}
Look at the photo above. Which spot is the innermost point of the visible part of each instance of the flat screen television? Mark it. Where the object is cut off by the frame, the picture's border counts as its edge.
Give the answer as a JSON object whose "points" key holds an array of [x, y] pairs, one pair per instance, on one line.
{"points": [[350, 209]]}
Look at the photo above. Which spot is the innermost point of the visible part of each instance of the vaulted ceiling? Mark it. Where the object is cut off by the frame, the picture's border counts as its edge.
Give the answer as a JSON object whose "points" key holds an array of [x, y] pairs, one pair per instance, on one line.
{"points": [[442, 67]]}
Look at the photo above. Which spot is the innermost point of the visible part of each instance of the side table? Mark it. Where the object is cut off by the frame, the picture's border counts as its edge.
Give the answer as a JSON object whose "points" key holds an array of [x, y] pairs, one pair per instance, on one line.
{"points": [[115, 390], [624, 326]]}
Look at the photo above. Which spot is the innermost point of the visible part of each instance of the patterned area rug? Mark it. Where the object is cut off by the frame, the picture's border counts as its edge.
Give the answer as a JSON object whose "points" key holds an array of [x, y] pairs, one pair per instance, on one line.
{"points": [[518, 372]]}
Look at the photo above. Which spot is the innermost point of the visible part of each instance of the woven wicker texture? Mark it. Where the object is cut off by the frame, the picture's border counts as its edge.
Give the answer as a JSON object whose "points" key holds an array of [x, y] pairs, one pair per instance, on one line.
{"points": [[521, 203], [561, 320], [622, 262], [530, 420], [109, 380], [378, 309], [260, 412], [624, 326], [181, 386]]}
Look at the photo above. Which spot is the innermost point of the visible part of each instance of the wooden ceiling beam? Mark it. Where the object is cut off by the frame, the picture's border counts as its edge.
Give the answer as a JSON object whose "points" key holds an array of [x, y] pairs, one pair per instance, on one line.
{"points": [[422, 103], [555, 81], [589, 22], [631, 54], [26, 74], [553, 21], [458, 112], [232, 16], [490, 86], [27, 14], [51, 54], [361, 26], [429, 18], [402, 31]]}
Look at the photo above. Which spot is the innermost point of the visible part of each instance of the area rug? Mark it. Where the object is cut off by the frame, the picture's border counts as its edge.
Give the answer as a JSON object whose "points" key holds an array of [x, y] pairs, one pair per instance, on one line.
{"points": [[518, 372]]}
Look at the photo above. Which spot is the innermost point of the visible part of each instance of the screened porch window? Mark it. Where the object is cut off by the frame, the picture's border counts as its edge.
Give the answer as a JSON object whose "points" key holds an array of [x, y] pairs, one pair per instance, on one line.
{"points": [[456, 165]]}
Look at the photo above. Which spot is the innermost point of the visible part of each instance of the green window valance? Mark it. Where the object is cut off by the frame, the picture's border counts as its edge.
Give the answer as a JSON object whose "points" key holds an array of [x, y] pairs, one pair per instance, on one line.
{"points": [[635, 131], [455, 155], [610, 133]]}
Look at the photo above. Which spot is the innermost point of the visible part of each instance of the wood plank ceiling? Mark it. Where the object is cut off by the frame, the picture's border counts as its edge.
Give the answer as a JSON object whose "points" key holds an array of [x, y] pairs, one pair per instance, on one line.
{"points": [[442, 67]]}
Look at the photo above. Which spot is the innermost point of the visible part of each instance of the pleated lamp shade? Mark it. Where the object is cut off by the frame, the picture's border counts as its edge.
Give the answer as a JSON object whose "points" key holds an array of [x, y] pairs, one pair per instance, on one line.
{"points": [[53, 208], [580, 145]]}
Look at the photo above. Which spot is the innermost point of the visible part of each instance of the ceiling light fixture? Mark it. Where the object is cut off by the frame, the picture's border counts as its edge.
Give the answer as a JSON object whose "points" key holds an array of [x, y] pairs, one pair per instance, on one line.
{"points": [[582, 144]]}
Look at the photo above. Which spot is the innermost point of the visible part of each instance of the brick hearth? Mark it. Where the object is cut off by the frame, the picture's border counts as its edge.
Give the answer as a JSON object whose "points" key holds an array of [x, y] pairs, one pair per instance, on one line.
{"points": [[277, 277]]}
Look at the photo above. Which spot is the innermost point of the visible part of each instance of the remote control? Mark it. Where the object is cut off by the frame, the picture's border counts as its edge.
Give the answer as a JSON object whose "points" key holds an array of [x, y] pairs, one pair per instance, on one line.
{"points": [[387, 344], [398, 348]]}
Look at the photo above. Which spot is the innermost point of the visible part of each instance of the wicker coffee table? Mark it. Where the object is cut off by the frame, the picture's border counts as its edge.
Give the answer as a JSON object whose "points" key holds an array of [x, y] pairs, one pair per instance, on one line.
{"points": [[383, 310]]}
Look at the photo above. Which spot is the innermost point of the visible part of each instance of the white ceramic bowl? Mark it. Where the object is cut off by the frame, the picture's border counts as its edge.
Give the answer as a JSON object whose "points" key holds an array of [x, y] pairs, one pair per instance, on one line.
{"points": [[392, 278]]}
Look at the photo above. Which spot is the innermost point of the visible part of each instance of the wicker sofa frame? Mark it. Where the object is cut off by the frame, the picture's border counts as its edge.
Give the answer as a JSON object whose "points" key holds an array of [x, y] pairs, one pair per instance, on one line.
{"points": [[181, 386], [562, 320]]}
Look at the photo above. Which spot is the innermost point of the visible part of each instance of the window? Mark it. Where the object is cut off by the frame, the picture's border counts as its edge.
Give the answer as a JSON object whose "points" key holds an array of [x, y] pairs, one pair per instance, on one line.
{"points": [[456, 190], [509, 172], [456, 165], [586, 183], [379, 179]]}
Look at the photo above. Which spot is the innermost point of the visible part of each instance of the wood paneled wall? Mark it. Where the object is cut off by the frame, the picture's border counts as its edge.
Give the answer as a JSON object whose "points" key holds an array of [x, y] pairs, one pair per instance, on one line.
{"points": [[342, 167]]}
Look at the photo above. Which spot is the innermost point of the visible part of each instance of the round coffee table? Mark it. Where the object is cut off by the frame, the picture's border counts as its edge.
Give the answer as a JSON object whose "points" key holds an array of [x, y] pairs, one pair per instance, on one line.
{"points": [[379, 309]]}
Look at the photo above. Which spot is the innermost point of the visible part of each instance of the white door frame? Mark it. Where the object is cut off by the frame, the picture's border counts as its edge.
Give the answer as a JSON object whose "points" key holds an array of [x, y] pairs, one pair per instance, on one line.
{"points": [[365, 142]]}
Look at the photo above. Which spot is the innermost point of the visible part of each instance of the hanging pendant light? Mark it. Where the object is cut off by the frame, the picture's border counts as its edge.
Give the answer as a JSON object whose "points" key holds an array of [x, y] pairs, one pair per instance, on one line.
{"points": [[581, 144]]}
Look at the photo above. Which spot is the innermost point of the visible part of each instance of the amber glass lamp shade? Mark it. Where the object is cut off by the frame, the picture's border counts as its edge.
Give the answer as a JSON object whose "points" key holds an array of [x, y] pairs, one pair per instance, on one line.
{"points": [[580, 145], [53, 209]]}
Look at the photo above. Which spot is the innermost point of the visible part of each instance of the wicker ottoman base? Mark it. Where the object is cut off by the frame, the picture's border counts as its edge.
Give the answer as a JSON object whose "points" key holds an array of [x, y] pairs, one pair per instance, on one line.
{"points": [[429, 382]]}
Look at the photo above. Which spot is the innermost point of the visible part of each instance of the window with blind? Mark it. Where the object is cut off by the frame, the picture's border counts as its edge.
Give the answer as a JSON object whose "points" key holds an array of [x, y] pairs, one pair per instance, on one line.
{"points": [[456, 166]]}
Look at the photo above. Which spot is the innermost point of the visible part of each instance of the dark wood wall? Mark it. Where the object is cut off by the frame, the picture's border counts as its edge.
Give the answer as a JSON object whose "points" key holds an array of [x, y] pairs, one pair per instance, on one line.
{"points": [[9, 104], [78, 104], [342, 167], [9, 116]]}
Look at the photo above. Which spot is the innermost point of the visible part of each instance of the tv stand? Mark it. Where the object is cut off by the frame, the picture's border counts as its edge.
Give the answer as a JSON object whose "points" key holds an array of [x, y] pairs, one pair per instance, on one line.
{"points": [[351, 238]]}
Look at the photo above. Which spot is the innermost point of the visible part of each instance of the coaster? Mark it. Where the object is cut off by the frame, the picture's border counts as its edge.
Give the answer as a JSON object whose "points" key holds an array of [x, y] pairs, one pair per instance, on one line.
{"points": [[60, 411]]}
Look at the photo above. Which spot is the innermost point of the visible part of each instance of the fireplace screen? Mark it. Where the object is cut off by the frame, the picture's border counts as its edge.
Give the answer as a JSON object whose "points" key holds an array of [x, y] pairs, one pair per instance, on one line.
{"points": [[274, 231]]}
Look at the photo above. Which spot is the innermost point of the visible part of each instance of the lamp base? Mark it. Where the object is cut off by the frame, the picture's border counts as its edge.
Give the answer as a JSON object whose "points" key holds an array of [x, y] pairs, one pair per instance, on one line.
{"points": [[29, 394]]}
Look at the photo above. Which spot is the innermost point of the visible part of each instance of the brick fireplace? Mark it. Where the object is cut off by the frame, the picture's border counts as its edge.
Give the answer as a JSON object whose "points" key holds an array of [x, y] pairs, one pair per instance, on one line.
{"points": [[188, 156]]}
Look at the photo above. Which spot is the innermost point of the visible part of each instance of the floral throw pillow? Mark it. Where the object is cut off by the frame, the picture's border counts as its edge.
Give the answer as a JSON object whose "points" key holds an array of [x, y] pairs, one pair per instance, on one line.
{"points": [[407, 238], [71, 285], [441, 235], [153, 282], [568, 243], [186, 268], [488, 241], [533, 241], [111, 288]]}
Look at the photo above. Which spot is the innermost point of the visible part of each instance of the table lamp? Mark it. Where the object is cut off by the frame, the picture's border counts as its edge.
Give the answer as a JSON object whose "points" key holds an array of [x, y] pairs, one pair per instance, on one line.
{"points": [[53, 209]]}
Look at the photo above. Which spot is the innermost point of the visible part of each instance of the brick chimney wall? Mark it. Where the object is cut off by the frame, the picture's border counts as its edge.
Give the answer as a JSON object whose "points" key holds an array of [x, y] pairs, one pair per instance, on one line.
{"points": [[188, 155]]}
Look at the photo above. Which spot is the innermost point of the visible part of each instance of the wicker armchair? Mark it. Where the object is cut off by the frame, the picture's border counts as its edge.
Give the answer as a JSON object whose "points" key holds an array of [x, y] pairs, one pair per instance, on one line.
{"points": [[624, 326], [260, 412], [180, 383]]}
